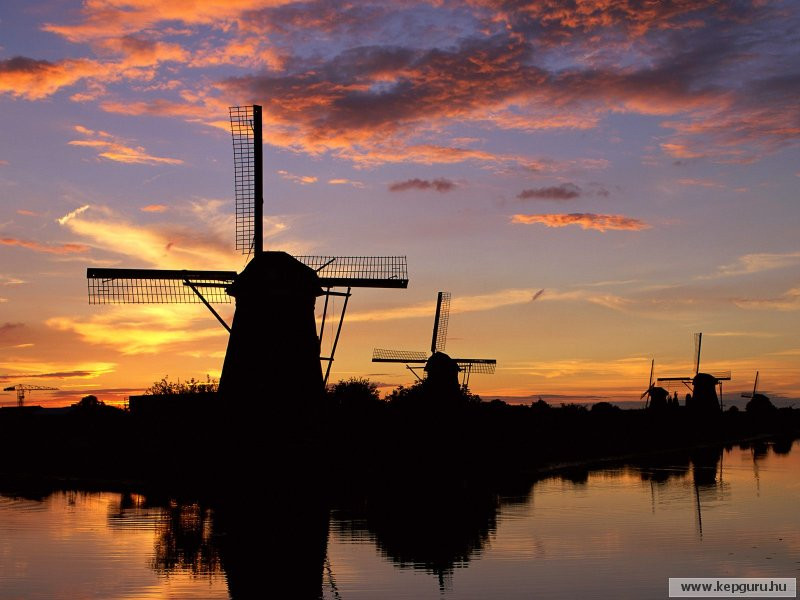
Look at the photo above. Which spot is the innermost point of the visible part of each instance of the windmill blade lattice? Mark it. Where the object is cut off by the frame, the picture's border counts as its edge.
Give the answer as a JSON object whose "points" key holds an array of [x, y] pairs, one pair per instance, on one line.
{"points": [[399, 356], [157, 286], [246, 166], [359, 271], [442, 319], [481, 366]]}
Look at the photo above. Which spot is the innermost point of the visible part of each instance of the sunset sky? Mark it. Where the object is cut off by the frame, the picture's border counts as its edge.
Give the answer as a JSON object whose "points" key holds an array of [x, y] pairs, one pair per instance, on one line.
{"points": [[637, 161]]}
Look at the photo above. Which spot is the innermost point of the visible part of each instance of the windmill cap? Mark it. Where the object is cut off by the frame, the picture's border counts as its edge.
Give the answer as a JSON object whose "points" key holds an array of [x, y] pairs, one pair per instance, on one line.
{"points": [[276, 273]]}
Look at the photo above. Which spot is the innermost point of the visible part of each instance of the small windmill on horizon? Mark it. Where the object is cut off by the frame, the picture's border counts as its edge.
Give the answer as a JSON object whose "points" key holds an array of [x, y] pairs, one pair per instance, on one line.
{"points": [[657, 396], [274, 345], [703, 385], [437, 360]]}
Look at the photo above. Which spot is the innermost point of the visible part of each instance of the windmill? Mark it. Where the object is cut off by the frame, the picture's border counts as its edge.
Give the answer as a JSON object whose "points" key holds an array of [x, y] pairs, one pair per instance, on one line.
{"points": [[657, 397], [438, 361], [755, 389], [274, 345], [759, 403], [23, 388], [703, 385]]}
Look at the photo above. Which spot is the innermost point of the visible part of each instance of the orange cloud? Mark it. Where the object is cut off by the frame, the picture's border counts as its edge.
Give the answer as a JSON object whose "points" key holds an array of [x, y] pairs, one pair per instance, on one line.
{"points": [[105, 18], [584, 220], [138, 52], [156, 208], [252, 51], [374, 103], [344, 181], [46, 248], [23, 77], [113, 148], [27, 213], [301, 179]]}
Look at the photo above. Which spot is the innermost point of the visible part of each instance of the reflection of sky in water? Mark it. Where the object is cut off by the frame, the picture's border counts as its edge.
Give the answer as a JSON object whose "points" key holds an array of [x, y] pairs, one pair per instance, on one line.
{"points": [[572, 540], [584, 535], [78, 545]]}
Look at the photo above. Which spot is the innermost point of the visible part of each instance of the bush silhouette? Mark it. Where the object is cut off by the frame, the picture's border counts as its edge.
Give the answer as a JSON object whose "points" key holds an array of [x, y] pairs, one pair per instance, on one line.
{"points": [[165, 387], [354, 392]]}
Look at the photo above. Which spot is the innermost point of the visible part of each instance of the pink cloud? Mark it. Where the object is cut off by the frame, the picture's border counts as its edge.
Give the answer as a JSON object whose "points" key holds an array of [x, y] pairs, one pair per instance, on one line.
{"points": [[440, 185], [565, 191]]}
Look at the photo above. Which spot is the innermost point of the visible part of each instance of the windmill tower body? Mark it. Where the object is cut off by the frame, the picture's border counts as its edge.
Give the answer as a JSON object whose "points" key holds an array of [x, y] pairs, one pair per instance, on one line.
{"points": [[273, 349], [442, 376]]}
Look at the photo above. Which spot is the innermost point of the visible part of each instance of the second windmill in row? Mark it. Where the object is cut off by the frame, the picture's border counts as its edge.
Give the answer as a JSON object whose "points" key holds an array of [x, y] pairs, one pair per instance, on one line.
{"points": [[438, 360]]}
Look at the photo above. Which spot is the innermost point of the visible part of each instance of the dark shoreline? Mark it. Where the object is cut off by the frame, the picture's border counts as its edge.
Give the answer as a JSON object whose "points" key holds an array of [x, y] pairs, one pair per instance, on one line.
{"points": [[344, 447]]}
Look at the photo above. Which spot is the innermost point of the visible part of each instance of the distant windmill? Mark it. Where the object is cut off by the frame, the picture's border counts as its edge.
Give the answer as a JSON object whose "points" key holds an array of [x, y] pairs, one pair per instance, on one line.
{"points": [[755, 389], [657, 397], [703, 385], [274, 346], [466, 366], [23, 388], [758, 402]]}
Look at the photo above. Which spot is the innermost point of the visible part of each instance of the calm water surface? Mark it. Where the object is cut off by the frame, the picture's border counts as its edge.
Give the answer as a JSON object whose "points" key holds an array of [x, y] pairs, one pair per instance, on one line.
{"points": [[611, 533]]}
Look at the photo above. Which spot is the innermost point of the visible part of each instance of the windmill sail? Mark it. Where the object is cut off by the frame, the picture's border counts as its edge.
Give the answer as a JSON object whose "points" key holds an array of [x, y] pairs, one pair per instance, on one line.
{"points": [[161, 286], [248, 177], [482, 366], [157, 286], [755, 389], [698, 343], [359, 271], [467, 366], [440, 322], [398, 356]]}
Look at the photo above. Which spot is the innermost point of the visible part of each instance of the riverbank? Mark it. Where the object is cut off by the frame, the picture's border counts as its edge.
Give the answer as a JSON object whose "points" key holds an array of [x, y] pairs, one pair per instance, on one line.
{"points": [[215, 447]]}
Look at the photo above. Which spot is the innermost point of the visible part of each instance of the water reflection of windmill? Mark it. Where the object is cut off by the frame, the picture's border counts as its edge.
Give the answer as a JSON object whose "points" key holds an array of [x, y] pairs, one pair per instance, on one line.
{"points": [[438, 360], [274, 346], [703, 385], [707, 479]]}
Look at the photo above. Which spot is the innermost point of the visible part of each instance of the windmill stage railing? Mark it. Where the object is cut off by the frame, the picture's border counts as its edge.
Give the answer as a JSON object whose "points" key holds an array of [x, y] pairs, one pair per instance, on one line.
{"points": [[157, 286]]}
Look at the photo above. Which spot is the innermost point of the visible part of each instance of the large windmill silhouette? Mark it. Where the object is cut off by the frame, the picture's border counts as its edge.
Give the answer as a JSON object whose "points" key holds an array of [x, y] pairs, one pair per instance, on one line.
{"points": [[438, 361], [703, 385], [274, 346]]}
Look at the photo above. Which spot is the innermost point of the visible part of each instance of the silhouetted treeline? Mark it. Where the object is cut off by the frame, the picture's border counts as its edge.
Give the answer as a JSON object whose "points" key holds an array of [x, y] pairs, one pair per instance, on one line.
{"points": [[183, 438]]}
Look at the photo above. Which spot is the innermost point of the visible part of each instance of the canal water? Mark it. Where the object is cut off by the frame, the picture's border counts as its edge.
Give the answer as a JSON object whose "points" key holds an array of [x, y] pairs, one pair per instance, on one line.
{"points": [[615, 532]]}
